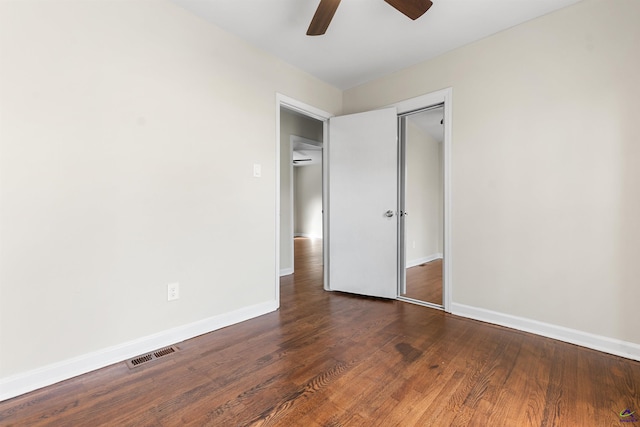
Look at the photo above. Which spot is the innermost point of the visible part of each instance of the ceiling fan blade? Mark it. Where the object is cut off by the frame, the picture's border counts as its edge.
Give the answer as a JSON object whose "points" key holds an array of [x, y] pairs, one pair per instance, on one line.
{"points": [[322, 17], [414, 9]]}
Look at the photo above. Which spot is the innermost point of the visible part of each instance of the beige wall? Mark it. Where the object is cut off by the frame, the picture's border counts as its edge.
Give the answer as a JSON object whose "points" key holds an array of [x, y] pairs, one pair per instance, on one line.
{"points": [[546, 181], [298, 125], [423, 196], [129, 131], [126, 153]]}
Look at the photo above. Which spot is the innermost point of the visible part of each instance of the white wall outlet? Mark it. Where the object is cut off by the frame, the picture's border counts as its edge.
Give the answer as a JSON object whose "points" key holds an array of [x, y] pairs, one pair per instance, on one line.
{"points": [[257, 170], [173, 291]]}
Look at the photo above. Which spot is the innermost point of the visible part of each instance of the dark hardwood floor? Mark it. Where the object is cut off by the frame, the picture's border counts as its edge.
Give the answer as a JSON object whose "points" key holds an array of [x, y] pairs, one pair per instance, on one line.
{"points": [[331, 359], [424, 282]]}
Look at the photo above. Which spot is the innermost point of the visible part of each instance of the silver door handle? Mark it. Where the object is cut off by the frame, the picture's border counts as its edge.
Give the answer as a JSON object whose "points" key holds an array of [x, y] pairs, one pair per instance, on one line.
{"points": [[388, 214]]}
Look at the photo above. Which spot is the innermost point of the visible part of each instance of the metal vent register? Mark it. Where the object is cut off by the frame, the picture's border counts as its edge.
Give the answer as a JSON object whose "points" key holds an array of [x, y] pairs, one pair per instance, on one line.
{"points": [[146, 358]]}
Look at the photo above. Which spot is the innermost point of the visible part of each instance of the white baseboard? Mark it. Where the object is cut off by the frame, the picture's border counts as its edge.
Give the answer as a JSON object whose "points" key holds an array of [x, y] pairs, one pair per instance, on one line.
{"points": [[16, 385], [596, 342], [286, 271], [418, 261]]}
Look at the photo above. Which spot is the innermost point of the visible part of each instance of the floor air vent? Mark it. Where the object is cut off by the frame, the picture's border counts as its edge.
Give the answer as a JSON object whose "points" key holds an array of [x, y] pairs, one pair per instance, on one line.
{"points": [[146, 358]]}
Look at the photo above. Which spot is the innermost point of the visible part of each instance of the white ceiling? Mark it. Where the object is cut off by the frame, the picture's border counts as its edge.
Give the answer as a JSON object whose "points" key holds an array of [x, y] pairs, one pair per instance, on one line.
{"points": [[367, 38]]}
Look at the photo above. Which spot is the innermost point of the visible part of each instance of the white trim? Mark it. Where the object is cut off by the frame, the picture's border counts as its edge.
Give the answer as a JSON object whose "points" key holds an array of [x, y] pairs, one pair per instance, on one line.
{"points": [[447, 271], [292, 207], [18, 384], [596, 342], [418, 261], [301, 107], [286, 271], [325, 204], [276, 281], [422, 101], [441, 96]]}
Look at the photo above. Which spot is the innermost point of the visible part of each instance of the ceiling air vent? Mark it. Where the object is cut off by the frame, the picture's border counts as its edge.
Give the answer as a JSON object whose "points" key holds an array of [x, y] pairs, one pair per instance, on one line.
{"points": [[154, 355]]}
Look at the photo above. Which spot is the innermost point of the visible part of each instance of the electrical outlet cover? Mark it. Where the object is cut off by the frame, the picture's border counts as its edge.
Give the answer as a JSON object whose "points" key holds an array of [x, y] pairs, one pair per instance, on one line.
{"points": [[173, 291]]}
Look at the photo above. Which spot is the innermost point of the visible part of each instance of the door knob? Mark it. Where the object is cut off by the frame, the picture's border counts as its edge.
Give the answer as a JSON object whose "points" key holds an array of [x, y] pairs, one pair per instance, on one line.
{"points": [[388, 214]]}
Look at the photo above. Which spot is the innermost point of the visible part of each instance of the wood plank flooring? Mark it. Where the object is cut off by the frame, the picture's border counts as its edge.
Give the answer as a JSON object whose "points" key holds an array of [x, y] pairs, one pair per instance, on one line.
{"points": [[424, 282], [331, 359]]}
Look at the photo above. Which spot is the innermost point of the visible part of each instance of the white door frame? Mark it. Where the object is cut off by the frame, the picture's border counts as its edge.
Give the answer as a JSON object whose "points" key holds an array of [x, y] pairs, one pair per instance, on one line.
{"points": [[414, 104], [323, 116]]}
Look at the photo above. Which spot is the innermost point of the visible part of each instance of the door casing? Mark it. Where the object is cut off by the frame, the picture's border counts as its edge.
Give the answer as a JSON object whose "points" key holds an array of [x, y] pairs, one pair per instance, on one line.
{"points": [[314, 113], [445, 97]]}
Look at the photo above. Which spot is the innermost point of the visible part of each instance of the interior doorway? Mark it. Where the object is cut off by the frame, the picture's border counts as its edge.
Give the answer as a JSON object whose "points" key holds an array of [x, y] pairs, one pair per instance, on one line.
{"points": [[301, 136]]}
